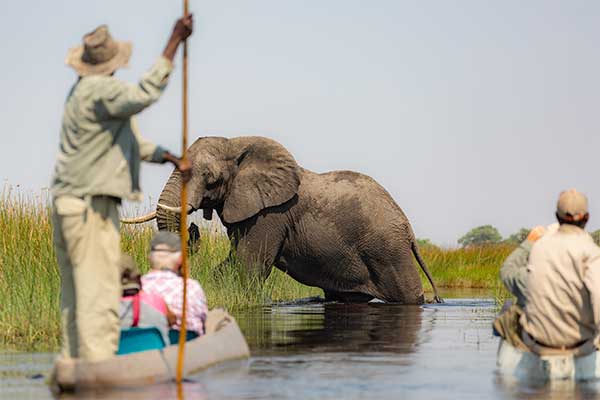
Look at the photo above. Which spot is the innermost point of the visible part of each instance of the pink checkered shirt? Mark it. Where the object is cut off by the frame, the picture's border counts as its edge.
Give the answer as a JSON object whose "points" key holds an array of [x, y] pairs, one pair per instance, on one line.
{"points": [[170, 286]]}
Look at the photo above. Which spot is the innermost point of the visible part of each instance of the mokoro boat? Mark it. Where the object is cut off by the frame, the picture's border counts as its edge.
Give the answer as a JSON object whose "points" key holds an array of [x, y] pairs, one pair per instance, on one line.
{"points": [[526, 365], [223, 341]]}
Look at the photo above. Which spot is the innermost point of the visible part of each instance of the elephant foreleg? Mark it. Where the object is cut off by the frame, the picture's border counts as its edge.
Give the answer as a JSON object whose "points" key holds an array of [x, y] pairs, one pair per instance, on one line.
{"points": [[256, 252]]}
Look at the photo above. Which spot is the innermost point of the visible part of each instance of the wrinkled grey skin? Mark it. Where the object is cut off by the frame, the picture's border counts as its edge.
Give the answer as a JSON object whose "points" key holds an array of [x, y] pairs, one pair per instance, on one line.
{"points": [[340, 231]]}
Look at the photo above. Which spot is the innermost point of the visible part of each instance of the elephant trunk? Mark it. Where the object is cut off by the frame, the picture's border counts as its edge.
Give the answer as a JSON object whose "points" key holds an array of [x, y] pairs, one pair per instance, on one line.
{"points": [[171, 197]]}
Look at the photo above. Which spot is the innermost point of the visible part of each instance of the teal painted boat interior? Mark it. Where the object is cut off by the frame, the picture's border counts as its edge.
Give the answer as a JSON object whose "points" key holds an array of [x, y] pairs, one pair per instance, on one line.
{"points": [[133, 340], [174, 336]]}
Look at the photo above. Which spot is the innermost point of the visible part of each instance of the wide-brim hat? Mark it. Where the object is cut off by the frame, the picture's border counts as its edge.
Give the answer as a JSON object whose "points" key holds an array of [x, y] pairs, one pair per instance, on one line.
{"points": [[100, 54]]}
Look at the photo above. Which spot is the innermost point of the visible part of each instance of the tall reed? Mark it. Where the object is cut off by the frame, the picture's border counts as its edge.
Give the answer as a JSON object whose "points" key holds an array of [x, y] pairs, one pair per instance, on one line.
{"points": [[472, 267], [29, 278], [30, 281]]}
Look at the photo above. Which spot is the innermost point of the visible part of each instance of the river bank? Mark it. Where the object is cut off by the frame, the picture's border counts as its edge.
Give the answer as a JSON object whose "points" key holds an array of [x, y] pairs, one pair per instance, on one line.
{"points": [[30, 282]]}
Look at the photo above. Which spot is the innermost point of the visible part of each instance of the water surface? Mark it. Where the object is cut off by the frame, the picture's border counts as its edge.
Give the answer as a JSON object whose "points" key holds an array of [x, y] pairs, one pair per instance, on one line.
{"points": [[336, 351]]}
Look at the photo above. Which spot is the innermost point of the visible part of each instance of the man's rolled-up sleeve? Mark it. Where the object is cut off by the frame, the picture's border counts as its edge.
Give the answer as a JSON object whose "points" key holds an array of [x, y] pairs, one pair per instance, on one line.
{"points": [[122, 100]]}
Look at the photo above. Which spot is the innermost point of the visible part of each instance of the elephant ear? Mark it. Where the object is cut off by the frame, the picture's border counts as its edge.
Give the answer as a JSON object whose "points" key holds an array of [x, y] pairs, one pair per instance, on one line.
{"points": [[267, 176]]}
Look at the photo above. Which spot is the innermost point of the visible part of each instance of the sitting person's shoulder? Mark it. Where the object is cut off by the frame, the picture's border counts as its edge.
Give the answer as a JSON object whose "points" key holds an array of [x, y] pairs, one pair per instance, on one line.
{"points": [[150, 275], [194, 285], [547, 241], [154, 275], [154, 300]]}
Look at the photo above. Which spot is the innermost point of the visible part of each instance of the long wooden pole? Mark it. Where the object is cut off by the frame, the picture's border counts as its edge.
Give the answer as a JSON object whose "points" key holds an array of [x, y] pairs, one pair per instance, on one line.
{"points": [[183, 219]]}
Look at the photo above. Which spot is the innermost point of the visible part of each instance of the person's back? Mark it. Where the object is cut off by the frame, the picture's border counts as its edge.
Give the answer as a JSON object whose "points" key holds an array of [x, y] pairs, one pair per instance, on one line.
{"points": [[145, 310], [138, 308], [165, 281], [563, 284], [169, 286], [101, 135]]}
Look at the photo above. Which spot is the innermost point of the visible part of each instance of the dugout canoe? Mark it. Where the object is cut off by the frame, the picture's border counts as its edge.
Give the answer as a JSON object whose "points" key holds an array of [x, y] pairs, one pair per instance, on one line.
{"points": [[526, 365], [223, 341]]}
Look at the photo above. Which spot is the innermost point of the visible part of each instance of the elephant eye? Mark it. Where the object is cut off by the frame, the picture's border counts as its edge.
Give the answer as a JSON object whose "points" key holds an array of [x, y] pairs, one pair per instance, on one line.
{"points": [[212, 185], [208, 176], [211, 180]]}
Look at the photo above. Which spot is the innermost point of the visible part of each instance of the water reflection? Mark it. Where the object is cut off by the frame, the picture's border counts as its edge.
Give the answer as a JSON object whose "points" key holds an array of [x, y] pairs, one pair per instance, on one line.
{"points": [[333, 327], [187, 391], [336, 351], [513, 388]]}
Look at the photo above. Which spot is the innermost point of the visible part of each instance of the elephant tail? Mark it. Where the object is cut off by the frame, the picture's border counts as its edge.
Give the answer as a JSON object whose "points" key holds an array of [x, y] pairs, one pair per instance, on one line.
{"points": [[417, 254]]}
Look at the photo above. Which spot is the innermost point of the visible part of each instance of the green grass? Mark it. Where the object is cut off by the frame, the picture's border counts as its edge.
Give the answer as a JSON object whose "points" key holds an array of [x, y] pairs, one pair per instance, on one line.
{"points": [[473, 267], [29, 278], [232, 287], [30, 281]]}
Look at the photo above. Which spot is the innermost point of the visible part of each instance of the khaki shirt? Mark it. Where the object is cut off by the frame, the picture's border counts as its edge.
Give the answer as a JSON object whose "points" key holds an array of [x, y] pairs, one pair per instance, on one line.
{"points": [[563, 289], [514, 272], [100, 146]]}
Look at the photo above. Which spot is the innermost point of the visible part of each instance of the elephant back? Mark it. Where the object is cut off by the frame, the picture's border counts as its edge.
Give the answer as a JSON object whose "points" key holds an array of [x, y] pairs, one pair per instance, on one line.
{"points": [[355, 202]]}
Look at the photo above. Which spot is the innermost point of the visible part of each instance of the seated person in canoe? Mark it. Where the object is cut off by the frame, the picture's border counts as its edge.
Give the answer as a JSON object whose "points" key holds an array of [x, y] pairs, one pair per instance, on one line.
{"points": [[164, 279], [562, 300], [140, 309], [514, 270]]}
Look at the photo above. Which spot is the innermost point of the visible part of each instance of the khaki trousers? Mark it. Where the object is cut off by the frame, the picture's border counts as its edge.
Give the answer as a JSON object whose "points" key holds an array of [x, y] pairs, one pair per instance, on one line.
{"points": [[87, 244]]}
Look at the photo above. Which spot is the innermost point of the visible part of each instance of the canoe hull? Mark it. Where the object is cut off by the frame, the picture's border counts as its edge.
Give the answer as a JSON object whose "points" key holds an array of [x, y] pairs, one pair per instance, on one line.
{"points": [[225, 343], [530, 366]]}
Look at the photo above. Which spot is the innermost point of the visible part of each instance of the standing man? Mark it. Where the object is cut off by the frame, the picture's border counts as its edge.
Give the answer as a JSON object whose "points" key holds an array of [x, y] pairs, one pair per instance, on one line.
{"points": [[98, 165]]}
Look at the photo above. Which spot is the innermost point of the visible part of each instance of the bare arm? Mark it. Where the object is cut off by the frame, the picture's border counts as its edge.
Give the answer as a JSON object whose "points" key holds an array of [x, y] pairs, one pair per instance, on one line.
{"points": [[123, 100], [185, 167], [182, 30]]}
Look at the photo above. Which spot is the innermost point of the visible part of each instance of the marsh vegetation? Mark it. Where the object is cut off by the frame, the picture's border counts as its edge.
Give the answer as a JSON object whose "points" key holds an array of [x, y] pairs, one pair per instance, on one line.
{"points": [[30, 282]]}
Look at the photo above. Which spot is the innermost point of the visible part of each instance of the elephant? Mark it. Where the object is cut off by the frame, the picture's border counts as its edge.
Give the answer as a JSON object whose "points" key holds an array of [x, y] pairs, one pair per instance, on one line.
{"points": [[340, 231]]}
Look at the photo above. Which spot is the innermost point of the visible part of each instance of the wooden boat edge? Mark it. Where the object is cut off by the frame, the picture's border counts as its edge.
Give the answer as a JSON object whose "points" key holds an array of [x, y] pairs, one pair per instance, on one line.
{"points": [[156, 366]]}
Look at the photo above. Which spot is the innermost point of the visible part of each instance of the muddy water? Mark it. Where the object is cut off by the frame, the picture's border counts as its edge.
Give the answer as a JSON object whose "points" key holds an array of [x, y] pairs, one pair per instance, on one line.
{"points": [[334, 351]]}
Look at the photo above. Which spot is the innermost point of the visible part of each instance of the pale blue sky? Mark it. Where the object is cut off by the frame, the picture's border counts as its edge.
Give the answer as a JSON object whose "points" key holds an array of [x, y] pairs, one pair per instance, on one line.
{"points": [[467, 112]]}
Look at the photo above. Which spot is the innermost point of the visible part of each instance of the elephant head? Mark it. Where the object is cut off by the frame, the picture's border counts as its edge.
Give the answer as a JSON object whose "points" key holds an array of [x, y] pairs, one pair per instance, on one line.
{"points": [[236, 177]]}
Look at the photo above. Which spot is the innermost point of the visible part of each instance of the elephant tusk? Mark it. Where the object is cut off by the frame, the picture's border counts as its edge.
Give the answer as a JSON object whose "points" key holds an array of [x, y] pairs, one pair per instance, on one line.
{"points": [[139, 220], [176, 210]]}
